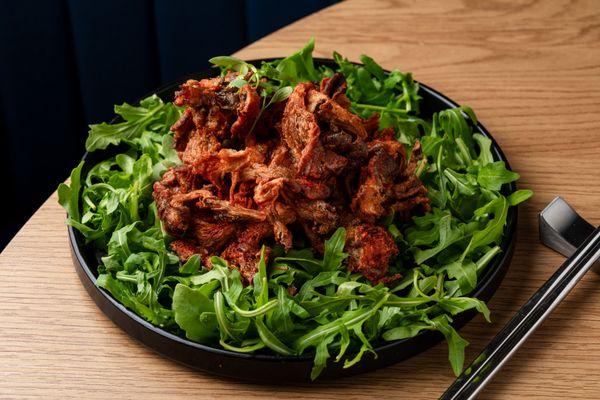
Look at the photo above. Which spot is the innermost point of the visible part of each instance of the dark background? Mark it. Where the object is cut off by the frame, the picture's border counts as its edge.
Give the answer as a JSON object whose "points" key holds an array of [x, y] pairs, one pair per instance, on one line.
{"points": [[65, 63]]}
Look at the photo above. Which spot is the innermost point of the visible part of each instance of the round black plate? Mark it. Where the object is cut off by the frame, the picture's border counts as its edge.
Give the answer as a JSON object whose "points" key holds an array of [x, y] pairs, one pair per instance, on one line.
{"points": [[270, 367]]}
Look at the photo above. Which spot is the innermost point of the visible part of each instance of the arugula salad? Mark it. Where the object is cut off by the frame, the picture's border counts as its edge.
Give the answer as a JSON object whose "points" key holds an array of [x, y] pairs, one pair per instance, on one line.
{"points": [[333, 314]]}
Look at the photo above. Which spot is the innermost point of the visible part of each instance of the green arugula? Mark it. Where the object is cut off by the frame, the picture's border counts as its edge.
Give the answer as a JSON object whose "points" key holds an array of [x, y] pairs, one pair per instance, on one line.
{"points": [[300, 303], [151, 114]]}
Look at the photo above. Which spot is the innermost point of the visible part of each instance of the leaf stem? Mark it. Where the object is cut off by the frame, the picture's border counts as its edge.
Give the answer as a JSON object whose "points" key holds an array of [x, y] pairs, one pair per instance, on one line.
{"points": [[243, 349], [222, 320], [485, 259], [257, 311], [380, 108], [270, 340]]}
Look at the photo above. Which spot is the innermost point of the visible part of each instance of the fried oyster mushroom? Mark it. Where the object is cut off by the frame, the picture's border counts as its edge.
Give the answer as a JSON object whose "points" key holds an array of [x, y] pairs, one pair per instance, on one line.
{"points": [[305, 166]]}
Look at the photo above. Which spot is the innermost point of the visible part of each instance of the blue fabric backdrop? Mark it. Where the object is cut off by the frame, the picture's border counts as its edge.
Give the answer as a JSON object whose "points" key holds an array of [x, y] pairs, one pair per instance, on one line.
{"points": [[64, 63]]}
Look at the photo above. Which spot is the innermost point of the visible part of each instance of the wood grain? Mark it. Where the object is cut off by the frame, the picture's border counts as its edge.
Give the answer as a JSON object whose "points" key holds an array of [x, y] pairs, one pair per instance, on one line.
{"points": [[531, 70]]}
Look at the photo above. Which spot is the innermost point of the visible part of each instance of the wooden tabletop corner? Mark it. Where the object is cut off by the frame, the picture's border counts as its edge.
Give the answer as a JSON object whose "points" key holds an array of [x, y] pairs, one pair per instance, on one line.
{"points": [[531, 71]]}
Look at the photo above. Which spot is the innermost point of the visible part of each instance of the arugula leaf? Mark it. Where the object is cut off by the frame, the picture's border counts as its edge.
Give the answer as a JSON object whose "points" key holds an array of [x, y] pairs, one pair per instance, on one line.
{"points": [[348, 320], [321, 356], [232, 63], [462, 183], [299, 66], [456, 305], [195, 314], [304, 258], [191, 266], [485, 154], [454, 124], [270, 340], [280, 95], [465, 273], [493, 175], [135, 121], [495, 227], [404, 332], [121, 292], [374, 68], [519, 196], [447, 236], [456, 344], [68, 196], [334, 250]]}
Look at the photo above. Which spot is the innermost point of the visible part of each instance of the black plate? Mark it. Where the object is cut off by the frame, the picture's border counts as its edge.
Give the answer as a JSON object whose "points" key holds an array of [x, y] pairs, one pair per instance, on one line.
{"points": [[271, 367]]}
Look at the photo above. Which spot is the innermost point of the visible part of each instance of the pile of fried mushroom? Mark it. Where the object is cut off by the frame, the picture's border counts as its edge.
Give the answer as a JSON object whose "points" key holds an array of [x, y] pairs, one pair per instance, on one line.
{"points": [[300, 168]]}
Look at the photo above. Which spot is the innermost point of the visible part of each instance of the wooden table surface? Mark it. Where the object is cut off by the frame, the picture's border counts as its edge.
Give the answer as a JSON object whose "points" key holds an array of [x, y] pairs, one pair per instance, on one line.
{"points": [[531, 70]]}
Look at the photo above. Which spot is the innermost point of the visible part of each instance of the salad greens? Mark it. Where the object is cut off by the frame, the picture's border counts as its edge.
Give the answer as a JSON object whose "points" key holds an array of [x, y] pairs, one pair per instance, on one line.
{"points": [[301, 303]]}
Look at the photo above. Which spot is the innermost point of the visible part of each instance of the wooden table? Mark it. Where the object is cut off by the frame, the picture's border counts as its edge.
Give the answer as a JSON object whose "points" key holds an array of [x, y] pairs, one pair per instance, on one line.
{"points": [[530, 69]]}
